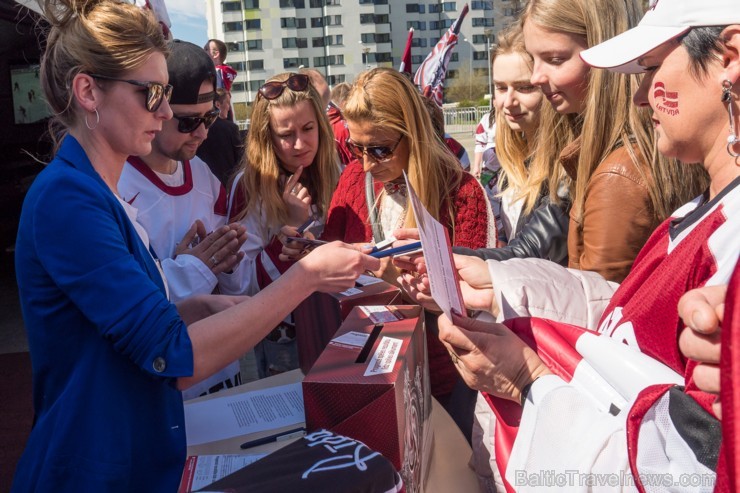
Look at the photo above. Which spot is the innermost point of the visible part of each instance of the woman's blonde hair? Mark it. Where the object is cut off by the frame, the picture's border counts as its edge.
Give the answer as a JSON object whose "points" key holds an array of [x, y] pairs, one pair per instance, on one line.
{"points": [[387, 99], [513, 150], [261, 181], [610, 117], [105, 37]]}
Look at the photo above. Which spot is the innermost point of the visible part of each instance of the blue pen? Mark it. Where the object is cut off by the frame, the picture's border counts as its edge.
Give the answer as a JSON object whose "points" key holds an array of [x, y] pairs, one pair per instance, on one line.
{"points": [[279, 437], [396, 251]]}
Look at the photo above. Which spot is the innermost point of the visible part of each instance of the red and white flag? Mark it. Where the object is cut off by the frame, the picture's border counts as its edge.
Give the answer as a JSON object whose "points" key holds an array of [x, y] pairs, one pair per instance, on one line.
{"points": [[610, 373], [430, 76], [406, 59]]}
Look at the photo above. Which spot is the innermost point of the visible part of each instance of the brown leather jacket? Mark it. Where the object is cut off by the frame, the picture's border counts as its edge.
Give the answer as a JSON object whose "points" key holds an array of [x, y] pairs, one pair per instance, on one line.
{"points": [[618, 216]]}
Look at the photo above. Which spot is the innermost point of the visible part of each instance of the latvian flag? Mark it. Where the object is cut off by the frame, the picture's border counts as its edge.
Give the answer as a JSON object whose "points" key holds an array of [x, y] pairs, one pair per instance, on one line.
{"points": [[430, 76], [405, 66]]}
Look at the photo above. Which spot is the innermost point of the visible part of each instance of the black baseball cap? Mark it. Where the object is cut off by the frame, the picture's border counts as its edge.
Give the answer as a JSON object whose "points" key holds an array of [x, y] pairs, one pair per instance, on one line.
{"points": [[189, 66]]}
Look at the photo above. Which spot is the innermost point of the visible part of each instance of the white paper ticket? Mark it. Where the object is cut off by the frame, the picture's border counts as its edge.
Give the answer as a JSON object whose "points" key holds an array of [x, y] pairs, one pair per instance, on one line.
{"points": [[385, 356]]}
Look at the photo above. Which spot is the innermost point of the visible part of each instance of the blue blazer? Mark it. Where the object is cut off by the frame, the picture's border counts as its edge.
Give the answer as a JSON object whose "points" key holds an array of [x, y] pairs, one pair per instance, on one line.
{"points": [[106, 344]]}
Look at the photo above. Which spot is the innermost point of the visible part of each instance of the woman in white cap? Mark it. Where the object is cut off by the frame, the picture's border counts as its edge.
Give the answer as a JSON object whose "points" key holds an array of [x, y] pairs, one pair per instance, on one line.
{"points": [[648, 425]]}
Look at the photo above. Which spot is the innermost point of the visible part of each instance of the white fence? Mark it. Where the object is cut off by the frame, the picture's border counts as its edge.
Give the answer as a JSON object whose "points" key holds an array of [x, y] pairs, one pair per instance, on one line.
{"points": [[458, 120]]}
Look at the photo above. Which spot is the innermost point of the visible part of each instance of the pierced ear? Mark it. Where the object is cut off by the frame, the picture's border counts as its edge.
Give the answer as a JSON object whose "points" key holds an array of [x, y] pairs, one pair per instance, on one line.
{"points": [[731, 57], [86, 92]]}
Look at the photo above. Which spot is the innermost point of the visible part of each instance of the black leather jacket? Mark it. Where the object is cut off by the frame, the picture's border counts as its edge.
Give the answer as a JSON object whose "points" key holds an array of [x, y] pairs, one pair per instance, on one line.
{"points": [[541, 234]]}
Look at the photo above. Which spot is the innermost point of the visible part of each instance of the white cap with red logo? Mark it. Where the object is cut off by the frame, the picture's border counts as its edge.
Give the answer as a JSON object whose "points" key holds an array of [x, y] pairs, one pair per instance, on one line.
{"points": [[664, 20]]}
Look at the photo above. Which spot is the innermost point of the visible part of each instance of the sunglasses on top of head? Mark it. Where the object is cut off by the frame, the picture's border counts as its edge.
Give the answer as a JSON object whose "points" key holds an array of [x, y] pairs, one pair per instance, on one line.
{"points": [[155, 92], [188, 124], [273, 89], [380, 154]]}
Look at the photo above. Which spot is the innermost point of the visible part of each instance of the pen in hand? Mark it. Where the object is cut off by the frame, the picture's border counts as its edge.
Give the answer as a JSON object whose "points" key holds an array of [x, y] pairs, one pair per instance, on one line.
{"points": [[389, 252], [278, 437]]}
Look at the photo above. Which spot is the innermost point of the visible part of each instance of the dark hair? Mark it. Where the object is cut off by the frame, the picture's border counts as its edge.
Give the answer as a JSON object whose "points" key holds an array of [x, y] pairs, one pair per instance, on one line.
{"points": [[703, 44], [222, 49]]}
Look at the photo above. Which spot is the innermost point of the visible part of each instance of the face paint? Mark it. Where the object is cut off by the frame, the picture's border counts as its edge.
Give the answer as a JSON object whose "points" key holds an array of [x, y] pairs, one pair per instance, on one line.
{"points": [[665, 101]]}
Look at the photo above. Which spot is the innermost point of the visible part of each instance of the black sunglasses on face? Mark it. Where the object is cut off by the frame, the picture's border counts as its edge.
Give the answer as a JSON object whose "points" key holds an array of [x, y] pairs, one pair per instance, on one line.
{"points": [[155, 92], [380, 154], [273, 89], [188, 124]]}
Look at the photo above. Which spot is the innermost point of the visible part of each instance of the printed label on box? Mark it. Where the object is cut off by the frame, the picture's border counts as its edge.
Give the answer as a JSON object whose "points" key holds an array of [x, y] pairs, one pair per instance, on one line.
{"points": [[351, 340], [379, 314], [385, 356], [365, 280], [350, 292]]}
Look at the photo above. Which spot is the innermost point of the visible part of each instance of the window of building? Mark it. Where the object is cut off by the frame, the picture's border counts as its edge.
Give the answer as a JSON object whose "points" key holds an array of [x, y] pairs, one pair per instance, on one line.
{"points": [[479, 38], [315, 4], [289, 22], [435, 8], [449, 6], [235, 46], [479, 55], [378, 57], [295, 43], [252, 24], [366, 18], [237, 87], [294, 62], [317, 22], [318, 42], [254, 85], [455, 57], [255, 65], [251, 4], [295, 4], [232, 26], [453, 74], [334, 39], [335, 79], [417, 59], [419, 42], [333, 20], [417, 25], [238, 66], [481, 5], [254, 44], [230, 6], [323, 61], [374, 2], [482, 22]]}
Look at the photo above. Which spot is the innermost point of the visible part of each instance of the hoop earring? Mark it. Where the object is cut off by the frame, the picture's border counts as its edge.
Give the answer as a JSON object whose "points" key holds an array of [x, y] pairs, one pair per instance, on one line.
{"points": [[733, 138], [97, 120]]}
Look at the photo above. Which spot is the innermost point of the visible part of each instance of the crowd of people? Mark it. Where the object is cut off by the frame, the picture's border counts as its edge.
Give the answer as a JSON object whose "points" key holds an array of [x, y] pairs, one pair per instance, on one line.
{"points": [[602, 206]]}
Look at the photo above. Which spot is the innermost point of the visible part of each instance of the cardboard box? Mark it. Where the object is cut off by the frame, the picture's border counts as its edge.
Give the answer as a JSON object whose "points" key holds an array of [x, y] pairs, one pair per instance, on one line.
{"points": [[371, 383], [321, 314]]}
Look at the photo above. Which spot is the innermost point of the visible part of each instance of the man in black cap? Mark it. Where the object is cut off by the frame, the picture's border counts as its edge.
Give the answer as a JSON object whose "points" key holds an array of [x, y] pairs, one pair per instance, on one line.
{"points": [[181, 204]]}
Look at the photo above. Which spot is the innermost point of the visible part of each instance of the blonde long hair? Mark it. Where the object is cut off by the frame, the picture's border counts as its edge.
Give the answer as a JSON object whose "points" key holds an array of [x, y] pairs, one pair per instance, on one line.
{"points": [[105, 37], [512, 148], [610, 117], [261, 182], [387, 99]]}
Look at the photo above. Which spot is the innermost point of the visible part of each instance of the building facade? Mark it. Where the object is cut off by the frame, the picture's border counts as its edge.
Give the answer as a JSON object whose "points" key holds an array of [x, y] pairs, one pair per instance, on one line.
{"points": [[341, 38]]}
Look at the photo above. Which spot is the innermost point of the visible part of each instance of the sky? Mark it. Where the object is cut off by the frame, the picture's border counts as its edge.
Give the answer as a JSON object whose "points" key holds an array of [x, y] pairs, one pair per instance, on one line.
{"points": [[188, 19]]}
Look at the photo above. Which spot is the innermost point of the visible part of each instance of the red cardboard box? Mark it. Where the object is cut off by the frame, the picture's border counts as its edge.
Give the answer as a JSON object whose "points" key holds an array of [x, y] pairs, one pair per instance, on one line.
{"points": [[320, 315], [371, 383]]}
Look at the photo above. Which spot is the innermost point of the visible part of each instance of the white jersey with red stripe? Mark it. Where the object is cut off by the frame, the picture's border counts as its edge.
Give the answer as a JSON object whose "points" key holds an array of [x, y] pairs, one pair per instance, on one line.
{"points": [[613, 420], [167, 212]]}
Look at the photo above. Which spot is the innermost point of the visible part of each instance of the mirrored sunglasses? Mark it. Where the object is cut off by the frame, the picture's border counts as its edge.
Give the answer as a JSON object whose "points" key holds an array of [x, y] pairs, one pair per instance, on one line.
{"points": [[273, 89], [377, 153], [155, 92], [187, 124]]}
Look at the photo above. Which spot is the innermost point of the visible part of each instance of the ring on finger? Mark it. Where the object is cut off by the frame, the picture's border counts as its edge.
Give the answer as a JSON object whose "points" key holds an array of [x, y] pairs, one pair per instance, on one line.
{"points": [[213, 260], [294, 190]]}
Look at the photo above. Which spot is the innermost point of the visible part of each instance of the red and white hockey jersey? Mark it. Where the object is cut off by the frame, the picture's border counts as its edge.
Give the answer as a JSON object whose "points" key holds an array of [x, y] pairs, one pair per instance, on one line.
{"points": [[167, 212], [622, 411]]}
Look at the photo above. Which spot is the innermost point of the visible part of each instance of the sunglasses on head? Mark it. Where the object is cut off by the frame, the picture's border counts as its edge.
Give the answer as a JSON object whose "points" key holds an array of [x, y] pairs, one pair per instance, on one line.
{"points": [[273, 89], [155, 92], [377, 153], [187, 124]]}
